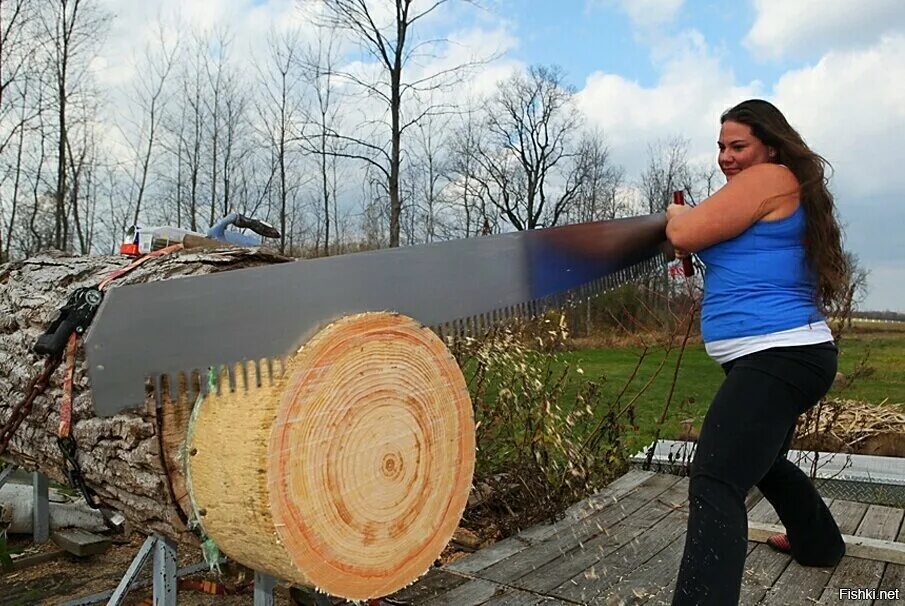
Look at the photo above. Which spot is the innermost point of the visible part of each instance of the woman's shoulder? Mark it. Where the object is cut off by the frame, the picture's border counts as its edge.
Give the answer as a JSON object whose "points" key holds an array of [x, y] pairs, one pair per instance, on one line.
{"points": [[771, 175]]}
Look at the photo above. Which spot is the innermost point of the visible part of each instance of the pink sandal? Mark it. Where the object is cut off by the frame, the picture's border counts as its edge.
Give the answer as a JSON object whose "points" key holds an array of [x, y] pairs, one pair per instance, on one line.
{"points": [[780, 542]]}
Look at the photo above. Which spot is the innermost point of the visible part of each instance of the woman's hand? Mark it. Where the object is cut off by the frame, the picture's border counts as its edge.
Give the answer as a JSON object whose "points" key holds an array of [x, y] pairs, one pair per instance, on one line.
{"points": [[674, 210]]}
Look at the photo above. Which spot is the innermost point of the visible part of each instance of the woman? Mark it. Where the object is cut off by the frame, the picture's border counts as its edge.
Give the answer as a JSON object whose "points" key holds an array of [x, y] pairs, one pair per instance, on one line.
{"points": [[771, 244]]}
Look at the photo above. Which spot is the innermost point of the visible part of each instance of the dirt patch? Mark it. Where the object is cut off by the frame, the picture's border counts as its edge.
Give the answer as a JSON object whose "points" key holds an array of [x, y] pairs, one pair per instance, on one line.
{"points": [[68, 577]]}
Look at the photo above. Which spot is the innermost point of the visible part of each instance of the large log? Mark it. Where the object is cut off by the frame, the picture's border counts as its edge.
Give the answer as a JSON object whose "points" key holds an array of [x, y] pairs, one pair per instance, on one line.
{"points": [[122, 457], [348, 471]]}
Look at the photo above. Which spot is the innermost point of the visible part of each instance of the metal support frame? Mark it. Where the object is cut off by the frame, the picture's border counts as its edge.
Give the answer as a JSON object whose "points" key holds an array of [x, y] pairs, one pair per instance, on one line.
{"points": [[264, 584], [5, 472], [163, 552], [135, 567], [40, 511], [165, 583], [40, 508], [104, 596]]}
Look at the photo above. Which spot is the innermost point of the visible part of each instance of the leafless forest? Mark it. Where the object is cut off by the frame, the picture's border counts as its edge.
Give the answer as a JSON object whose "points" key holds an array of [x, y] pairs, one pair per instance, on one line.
{"points": [[357, 131]]}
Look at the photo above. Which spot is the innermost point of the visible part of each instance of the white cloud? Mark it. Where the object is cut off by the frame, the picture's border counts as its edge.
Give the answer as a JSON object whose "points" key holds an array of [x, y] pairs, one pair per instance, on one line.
{"points": [[694, 88], [850, 107], [812, 27], [645, 14]]}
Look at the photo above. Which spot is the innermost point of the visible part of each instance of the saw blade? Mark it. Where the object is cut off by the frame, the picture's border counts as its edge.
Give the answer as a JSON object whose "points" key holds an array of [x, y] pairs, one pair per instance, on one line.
{"points": [[185, 326]]}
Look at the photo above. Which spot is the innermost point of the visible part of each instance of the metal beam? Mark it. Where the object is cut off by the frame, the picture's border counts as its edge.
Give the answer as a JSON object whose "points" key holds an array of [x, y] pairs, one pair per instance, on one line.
{"points": [[264, 584], [165, 583], [40, 508]]}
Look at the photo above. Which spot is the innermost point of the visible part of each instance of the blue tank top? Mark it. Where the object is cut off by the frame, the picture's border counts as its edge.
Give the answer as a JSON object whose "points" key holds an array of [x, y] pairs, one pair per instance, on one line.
{"points": [[758, 282]]}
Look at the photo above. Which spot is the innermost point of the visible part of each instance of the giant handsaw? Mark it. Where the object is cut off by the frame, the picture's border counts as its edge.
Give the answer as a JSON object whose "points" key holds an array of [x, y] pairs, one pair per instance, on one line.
{"points": [[172, 330]]}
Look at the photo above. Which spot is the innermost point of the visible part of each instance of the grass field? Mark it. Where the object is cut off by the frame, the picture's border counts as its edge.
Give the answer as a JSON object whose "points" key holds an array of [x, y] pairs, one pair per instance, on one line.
{"points": [[699, 377]]}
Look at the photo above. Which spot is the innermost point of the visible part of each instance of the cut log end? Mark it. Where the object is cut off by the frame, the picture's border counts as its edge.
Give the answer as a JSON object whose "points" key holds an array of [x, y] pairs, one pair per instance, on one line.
{"points": [[350, 473]]}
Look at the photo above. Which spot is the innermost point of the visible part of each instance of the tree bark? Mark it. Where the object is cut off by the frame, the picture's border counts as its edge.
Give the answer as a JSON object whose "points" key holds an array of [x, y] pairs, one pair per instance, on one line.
{"points": [[122, 457]]}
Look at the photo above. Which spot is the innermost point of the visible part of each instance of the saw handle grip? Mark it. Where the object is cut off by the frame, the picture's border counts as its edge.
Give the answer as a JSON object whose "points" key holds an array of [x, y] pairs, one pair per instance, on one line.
{"points": [[74, 316], [678, 197]]}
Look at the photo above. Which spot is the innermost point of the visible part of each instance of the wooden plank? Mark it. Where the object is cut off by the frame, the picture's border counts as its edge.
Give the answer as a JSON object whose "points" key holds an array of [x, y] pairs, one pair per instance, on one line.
{"points": [[80, 542], [764, 564], [803, 585], [479, 591], [754, 497], [650, 577], [510, 546], [762, 567], [561, 567], [435, 582], [655, 581], [581, 533], [586, 571], [609, 495], [865, 548], [893, 578], [21, 562], [472, 593], [763, 512], [879, 523], [894, 575], [599, 579]]}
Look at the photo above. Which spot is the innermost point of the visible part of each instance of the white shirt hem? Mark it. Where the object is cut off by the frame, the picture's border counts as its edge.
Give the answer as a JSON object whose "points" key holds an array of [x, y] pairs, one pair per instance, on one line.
{"points": [[726, 350]]}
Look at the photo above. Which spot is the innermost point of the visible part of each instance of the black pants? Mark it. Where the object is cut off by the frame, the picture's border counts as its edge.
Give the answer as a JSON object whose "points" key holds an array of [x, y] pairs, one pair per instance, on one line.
{"points": [[743, 443]]}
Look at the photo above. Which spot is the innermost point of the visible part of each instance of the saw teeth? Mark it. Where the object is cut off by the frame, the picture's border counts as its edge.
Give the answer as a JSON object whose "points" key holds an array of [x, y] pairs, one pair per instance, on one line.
{"points": [[257, 373], [231, 377]]}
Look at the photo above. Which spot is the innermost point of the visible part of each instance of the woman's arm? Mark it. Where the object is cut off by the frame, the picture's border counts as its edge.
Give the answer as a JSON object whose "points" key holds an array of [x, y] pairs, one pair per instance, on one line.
{"points": [[751, 195]]}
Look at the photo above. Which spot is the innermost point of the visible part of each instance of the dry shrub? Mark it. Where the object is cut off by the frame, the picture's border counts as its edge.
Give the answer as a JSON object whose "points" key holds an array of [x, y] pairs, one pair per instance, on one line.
{"points": [[545, 436], [841, 425]]}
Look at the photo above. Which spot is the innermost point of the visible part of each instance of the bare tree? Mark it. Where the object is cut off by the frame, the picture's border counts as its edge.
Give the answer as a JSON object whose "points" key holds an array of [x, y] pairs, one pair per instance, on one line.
{"points": [[706, 178], [429, 176], [599, 181], [16, 170], [855, 290], [466, 191], [150, 100], [667, 171], [528, 168], [192, 127], [216, 75], [386, 33], [73, 29], [278, 109], [18, 45], [318, 68]]}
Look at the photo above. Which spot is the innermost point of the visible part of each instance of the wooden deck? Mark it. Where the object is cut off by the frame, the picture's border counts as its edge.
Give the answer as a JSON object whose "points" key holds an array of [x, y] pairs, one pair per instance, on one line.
{"points": [[623, 546]]}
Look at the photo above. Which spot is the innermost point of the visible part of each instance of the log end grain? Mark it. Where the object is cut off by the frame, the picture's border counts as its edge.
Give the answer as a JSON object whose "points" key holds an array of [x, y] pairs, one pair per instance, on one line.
{"points": [[350, 473]]}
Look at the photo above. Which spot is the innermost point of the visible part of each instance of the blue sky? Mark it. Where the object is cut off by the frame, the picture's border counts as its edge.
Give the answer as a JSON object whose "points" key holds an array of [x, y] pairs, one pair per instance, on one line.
{"points": [[601, 36]]}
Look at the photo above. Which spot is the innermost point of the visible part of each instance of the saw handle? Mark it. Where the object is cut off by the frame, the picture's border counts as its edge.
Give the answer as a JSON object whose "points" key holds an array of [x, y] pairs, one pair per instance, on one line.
{"points": [[74, 316], [678, 197]]}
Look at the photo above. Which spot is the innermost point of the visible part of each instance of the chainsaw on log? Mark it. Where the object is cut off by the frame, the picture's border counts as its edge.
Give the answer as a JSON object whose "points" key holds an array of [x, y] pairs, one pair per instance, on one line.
{"points": [[183, 327], [141, 241]]}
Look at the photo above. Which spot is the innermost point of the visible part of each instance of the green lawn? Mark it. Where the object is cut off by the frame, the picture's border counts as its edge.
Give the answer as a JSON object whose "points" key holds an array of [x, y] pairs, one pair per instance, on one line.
{"points": [[699, 377]]}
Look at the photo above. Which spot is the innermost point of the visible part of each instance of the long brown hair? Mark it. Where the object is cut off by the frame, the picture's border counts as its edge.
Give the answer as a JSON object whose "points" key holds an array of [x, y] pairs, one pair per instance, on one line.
{"points": [[823, 237]]}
